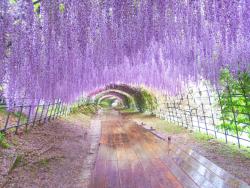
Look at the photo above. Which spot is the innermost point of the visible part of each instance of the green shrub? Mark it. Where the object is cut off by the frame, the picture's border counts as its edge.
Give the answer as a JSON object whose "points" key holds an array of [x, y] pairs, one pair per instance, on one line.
{"points": [[87, 109], [235, 102], [3, 142], [145, 101]]}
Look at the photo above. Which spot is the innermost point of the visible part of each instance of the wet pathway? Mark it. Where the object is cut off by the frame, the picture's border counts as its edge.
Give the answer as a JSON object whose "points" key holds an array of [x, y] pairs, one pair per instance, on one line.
{"points": [[131, 156]]}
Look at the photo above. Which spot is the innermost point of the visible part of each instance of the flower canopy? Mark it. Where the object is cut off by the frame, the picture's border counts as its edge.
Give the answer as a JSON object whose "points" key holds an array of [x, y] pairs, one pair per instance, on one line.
{"points": [[62, 48]]}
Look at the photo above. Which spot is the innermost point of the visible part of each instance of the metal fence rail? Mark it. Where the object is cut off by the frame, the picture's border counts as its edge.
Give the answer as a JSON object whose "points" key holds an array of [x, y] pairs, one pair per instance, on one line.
{"points": [[204, 110], [28, 115]]}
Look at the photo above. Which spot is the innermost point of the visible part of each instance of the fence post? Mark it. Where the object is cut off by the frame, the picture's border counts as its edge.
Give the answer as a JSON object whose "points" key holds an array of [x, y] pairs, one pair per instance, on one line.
{"points": [[41, 116], [221, 109], [64, 111], [203, 111], [55, 110], [190, 112], [204, 116], [28, 119], [181, 111], [47, 111], [176, 113], [59, 109], [198, 121], [61, 112], [51, 112], [234, 115], [211, 110], [245, 96], [19, 119], [7, 121], [37, 107], [169, 117], [184, 113]]}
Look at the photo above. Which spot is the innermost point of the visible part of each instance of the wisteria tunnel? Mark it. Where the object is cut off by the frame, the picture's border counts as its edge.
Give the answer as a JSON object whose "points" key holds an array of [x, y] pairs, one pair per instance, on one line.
{"points": [[125, 93]]}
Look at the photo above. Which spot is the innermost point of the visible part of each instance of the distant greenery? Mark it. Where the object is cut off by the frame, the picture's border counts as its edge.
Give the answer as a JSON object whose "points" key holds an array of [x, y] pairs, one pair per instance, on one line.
{"points": [[235, 102], [3, 142], [87, 109], [145, 101], [106, 103]]}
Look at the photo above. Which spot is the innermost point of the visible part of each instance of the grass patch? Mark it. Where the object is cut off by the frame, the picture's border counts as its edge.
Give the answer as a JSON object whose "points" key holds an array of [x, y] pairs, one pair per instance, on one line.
{"points": [[43, 163], [201, 136], [172, 128], [3, 142], [23, 117], [165, 126], [234, 150], [18, 161], [227, 149], [3, 110], [159, 124]]}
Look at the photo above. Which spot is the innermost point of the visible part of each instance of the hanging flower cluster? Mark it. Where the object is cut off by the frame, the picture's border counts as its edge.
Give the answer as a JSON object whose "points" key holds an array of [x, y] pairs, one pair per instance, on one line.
{"points": [[68, 47]]}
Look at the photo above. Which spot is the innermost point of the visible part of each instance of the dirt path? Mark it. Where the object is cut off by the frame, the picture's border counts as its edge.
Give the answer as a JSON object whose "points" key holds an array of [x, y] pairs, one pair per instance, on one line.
{"points": [[59, 154], [131, 156]]}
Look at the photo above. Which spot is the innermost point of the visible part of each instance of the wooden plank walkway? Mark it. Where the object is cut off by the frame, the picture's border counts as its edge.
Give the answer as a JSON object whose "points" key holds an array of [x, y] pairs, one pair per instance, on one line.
{"points": [[130, 156]]}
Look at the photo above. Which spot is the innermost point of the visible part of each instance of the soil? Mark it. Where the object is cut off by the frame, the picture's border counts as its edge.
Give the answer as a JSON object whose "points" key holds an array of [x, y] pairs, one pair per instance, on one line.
{"points": [[236, 162], [51, 155]]}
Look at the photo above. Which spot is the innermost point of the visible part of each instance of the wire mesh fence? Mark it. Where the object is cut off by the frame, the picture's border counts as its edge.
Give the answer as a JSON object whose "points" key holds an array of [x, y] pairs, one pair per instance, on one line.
{"points": [[222, 113], [27, 115]]}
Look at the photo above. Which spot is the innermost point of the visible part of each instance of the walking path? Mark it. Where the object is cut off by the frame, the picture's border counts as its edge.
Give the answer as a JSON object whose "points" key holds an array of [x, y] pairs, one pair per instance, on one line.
{"points": [[131, 156]]}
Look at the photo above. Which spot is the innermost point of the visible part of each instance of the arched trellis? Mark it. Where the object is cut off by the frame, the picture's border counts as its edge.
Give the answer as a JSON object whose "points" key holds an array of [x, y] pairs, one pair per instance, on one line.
{"points": [[113, 98], [139, 97], [127, 99]]}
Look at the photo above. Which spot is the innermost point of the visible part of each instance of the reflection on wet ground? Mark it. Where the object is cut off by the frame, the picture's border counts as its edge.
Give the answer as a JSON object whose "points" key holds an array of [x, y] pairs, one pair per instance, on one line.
{"points": [[131, 156]]}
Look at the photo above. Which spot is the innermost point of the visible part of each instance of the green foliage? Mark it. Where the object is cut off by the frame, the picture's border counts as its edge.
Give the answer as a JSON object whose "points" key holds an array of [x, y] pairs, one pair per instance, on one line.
{"points": [[18, 161], [202, 136], [87, 109], [127, 102], [106, 103], [145, 101], [23, 117], [3, 110], [12, 1], [235, 102], [3, 142], [62, 7]]}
